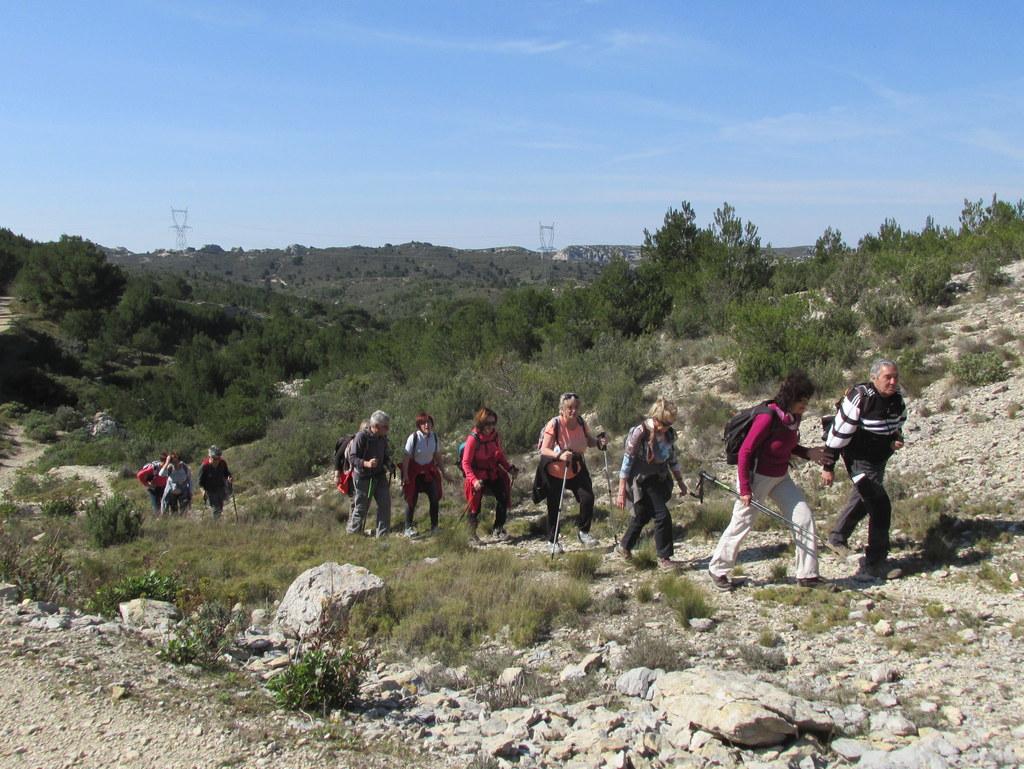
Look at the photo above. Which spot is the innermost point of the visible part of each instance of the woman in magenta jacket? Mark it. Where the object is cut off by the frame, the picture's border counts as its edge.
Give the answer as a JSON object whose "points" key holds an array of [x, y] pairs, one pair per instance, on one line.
{"points": [[763, 472]]}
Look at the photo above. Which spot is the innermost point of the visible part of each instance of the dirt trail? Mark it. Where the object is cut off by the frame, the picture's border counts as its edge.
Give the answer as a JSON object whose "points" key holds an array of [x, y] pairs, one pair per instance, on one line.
{"points": [[5, 313]]}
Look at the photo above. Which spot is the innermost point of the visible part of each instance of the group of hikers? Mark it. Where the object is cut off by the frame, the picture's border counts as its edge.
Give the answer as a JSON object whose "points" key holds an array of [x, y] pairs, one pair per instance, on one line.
{"points": [[168, 481], [864, 431]]}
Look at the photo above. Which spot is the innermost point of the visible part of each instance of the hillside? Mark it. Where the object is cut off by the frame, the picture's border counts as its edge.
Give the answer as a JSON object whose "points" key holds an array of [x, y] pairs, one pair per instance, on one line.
{"points": [[924, 671]]}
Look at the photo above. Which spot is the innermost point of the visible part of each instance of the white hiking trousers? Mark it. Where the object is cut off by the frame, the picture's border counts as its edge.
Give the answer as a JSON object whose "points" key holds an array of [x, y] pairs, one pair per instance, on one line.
{"points": [[792, 506]]}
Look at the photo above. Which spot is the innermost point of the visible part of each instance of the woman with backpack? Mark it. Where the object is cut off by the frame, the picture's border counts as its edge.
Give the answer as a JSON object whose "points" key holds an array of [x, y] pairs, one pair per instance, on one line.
{"points": [[422, 470], [645, 481], [178, 491], [565, 439], [487, 470], [763, 471]]}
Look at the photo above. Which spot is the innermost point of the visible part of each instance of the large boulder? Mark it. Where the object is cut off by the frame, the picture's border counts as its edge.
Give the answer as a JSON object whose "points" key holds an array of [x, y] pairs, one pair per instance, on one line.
{"points": [[149, 614], [322, 594], [735, 707]]}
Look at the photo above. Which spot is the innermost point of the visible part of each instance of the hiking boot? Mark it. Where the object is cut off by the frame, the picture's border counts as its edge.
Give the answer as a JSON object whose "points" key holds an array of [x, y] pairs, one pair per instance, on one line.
{"points": [[840, 548], [500, 534], [623, 553], [883, 571], [587, 539], [722, 583], [555, 549], [410, 532], [667, 564]]}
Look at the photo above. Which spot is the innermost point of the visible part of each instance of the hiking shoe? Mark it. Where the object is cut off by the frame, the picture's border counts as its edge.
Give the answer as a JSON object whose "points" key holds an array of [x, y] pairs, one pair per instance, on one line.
{"points": [[587, 539], [500, 534], [882, 571], [840, 548], [667, 564], [722, 583], [410, 532], [814, 582], [623, 553], [555, 549]]}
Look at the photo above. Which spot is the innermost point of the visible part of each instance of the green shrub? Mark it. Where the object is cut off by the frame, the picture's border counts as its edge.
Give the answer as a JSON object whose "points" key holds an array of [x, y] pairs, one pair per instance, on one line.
{"points": [[112, 521], [884, 312], [204, 636], [979, 368], [40, 426], [326, 678], [151, 584], [60, 508]]}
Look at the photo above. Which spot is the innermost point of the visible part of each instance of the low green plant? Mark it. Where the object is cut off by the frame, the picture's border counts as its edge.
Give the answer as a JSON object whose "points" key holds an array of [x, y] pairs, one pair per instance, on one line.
{"points": [[582, 565], [203, 637], [685, 598], [151, 584], [778, 571], [64, 507], [39, 567], [644, 592], [325, 678], [112, 521]]}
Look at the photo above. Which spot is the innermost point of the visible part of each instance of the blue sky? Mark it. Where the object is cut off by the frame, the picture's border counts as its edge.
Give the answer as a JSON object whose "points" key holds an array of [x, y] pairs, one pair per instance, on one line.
{"points": [[468, 124]]}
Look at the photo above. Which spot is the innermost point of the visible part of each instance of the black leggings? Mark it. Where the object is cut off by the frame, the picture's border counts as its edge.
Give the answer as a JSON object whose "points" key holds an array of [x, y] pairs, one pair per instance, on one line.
{"points": [[430, 489], [496, 488], [582, 488]]}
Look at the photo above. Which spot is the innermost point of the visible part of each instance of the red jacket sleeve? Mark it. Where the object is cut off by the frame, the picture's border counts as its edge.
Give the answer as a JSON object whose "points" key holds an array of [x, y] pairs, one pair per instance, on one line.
{"points": [[467, 459]]}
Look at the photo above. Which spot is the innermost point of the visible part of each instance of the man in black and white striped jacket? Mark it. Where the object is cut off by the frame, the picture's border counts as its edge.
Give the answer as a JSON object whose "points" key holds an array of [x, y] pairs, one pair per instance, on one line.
{"points": [[866, 430]]}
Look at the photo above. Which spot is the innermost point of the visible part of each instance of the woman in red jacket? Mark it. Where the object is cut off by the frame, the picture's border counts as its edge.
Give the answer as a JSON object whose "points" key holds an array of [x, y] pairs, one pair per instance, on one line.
{"points": [[487, 470]]}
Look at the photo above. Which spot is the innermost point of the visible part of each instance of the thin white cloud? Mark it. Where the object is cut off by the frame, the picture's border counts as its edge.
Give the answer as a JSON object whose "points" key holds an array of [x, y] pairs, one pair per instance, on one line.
{"points": [[805, 128], [996, 142], [524, 47]]}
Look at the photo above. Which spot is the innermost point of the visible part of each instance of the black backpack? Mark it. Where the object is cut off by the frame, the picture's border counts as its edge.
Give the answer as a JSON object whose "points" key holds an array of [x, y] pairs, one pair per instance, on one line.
{"points": [[738, 426], [341, 463]]}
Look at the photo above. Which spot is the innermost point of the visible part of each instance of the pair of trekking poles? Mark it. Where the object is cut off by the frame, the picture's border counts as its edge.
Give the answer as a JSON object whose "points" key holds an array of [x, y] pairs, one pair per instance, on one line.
{"points": [[561, 498]]}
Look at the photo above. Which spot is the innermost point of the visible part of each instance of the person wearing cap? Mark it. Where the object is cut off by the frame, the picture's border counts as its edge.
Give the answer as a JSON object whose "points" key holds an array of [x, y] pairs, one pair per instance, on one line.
{"points": [[215, 480]]}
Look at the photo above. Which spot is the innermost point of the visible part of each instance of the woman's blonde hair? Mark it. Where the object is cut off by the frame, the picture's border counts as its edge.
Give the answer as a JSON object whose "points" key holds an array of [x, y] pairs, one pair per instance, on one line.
{"points": [[663, 411]]}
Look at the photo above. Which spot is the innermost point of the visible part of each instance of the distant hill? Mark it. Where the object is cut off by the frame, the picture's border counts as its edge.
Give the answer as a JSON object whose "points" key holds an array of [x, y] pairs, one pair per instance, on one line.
{"points": [[376, 277]]}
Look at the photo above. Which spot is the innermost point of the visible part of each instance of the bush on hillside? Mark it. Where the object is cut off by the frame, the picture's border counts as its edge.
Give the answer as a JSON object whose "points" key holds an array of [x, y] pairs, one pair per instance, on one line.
{"points": [[112, 521]]}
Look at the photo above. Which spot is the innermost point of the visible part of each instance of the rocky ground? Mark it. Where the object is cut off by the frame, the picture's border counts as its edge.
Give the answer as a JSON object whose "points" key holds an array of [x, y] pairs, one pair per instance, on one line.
{"points": [[924, 671]]}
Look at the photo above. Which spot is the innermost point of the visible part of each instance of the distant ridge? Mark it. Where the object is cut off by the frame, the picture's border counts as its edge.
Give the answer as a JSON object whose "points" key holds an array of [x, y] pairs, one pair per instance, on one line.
{"points": [[596, 254]]}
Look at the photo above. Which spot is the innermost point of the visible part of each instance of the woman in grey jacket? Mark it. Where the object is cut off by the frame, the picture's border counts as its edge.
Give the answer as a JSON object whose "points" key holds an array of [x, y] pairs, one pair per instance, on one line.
{"points": [[645, 480]]}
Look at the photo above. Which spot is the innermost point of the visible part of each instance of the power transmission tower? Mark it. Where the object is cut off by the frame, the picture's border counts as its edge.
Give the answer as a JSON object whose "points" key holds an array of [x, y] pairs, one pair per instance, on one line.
{"points": [[547, 238], [181, 243]]}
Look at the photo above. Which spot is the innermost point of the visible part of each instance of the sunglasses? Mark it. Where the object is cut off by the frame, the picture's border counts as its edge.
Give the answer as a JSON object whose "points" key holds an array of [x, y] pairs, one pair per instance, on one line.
{"points": [[570, 397], [663, 424], [489, 424]]}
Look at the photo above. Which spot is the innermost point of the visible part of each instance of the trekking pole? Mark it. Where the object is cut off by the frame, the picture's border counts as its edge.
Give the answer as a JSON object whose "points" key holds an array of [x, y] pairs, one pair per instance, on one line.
{"points": [[558, 517], [234, 504], [607, 477], [704, 476]]}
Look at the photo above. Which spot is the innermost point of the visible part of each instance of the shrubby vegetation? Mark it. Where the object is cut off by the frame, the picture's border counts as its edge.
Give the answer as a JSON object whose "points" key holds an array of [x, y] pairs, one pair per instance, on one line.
{"points": [[183, 362]]}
